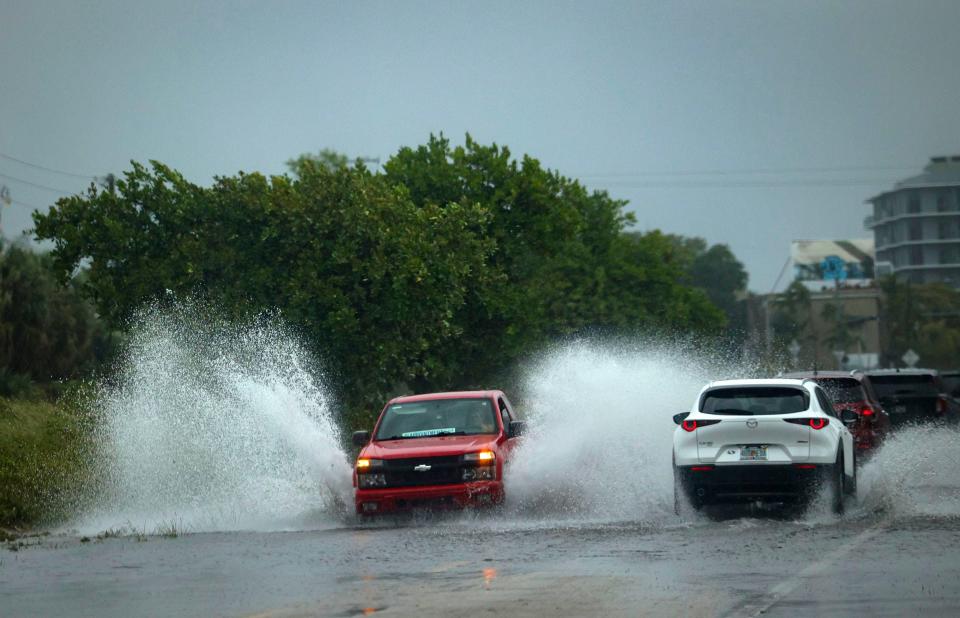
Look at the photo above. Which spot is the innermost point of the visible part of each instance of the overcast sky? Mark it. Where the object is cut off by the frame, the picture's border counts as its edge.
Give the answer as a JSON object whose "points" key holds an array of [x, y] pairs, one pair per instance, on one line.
{"points": [[799, 110]]}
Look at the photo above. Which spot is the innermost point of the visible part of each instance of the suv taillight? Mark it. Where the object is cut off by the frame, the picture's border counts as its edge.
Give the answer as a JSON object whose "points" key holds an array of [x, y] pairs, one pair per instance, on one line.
{"points": [[693, 425], [941, 405], [813, 423]]}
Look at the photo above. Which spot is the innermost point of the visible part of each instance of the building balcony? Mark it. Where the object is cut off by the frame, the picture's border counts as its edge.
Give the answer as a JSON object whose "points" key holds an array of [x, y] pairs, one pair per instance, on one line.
{"points": [[868, 222]]}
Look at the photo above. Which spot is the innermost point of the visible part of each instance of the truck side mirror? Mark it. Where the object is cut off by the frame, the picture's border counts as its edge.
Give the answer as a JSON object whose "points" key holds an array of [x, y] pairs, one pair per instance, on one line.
{"points": [[361, 438], [517, 428], [679, 418]]}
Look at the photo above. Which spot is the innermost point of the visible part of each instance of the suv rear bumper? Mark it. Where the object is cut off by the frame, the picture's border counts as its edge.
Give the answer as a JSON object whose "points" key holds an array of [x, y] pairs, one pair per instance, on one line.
{"points": [[746, 483], [430, 497]]}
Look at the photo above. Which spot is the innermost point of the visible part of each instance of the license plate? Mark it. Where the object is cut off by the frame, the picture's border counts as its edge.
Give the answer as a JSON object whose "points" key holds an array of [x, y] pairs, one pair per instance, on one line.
{"points": [[753, 453], [899, 409]]}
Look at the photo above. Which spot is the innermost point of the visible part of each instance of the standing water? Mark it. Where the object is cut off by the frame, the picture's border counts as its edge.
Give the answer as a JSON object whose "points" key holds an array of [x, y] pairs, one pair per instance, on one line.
{"points": [[210, 426]]}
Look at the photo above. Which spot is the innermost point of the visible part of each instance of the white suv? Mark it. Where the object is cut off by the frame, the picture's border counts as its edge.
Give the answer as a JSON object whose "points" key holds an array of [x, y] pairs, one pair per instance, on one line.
{"points": [[761, 440]]}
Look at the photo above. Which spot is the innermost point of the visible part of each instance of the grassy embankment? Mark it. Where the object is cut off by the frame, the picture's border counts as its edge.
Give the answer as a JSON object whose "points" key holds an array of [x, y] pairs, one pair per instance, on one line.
{"points": [[43, 462]]}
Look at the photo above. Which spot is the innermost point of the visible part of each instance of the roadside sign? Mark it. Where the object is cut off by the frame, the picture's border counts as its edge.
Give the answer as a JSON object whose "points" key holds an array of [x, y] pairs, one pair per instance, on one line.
{"points": [[910, 358]]}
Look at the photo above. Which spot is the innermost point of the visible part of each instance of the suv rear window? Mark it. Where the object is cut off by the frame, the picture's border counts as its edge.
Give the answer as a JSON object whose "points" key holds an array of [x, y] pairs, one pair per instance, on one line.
{"points": [[842, 390], [755, 400], [922, 385]]}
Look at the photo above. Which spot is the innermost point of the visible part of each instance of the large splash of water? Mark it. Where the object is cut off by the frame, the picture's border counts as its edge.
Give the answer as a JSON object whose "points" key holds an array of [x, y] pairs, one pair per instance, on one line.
{"points": [[601, 430], [209, 426], [914, 474]]}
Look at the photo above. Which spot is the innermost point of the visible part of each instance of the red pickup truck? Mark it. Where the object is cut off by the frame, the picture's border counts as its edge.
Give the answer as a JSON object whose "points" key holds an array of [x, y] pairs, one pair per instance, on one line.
{"points": [[435, 451]]}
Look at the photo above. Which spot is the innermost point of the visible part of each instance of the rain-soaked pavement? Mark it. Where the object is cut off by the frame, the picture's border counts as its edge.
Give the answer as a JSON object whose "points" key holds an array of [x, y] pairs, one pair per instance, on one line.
{"points": [[745, 565]]}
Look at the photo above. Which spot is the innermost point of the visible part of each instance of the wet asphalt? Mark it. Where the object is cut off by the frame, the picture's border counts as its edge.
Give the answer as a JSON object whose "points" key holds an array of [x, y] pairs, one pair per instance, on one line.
{"points": [[735, 564]]}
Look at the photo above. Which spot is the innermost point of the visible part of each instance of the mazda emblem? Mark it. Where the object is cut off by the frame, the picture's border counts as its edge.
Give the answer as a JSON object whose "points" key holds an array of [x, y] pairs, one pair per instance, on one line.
{"points": [[422, 468], [752, 423]]}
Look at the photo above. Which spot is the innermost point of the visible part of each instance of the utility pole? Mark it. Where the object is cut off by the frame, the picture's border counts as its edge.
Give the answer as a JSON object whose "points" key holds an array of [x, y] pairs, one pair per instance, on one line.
{"points": [[4, 202]]}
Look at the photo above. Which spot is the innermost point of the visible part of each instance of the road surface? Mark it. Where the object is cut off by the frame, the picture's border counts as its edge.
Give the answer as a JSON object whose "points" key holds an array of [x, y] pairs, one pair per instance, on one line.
{"points": [[868, 564]]}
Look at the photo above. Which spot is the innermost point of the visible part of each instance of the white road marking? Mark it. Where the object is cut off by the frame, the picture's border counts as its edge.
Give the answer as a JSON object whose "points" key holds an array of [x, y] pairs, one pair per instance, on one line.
{"points": [[784, 588]]}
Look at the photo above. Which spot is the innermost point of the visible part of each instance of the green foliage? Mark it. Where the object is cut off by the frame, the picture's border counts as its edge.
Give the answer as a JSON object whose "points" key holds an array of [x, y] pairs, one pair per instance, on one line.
{"points": [[436, 274], [922, 317], [791, 316], [42, 459], [48, 331], [561, 264], [716, 270], [331, 160], [370, 278]]}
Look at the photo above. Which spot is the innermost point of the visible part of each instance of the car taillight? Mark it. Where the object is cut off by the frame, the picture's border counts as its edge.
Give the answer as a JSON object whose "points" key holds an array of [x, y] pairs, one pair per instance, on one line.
{"points": [[701, 468], [866, 410], [814, 423], [941, 405], [693, 425]]}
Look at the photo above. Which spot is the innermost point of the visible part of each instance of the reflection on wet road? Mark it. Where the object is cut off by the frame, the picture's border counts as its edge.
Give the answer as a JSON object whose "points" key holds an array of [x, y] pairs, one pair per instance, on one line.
{"points": [[868, 564]]}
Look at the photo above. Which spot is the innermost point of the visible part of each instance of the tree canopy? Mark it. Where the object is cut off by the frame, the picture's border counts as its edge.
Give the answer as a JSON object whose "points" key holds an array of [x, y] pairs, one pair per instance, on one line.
{"points": [[436, 273], [921, 317], [48, 331]]}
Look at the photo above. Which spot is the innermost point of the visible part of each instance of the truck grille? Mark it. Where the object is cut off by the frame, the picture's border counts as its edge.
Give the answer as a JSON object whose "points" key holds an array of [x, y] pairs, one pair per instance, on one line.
{"points": [[403, 472]]}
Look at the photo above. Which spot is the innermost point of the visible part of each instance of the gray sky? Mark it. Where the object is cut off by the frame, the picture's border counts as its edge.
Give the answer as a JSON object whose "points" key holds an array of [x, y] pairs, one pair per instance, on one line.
{"points": [[634, 97]]}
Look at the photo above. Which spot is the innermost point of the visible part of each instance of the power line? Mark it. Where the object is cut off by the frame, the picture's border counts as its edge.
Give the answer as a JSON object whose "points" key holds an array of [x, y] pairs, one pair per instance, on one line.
{"points": [[24, 204], [749, 171], [37, 185], [720, 184], [45, 168]]}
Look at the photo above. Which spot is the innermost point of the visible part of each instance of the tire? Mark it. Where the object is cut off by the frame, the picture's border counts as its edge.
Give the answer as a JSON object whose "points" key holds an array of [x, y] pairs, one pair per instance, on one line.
{"points": [[683, 503], [835, 485], [850, 482]]}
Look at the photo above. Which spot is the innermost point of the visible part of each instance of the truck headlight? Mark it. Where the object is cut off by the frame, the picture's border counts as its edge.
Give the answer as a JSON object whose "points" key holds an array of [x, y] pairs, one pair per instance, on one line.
{"points": [[484, 473], [371, 480]]}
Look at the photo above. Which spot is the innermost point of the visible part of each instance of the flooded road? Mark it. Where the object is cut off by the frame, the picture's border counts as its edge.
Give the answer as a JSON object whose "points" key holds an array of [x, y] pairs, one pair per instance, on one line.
{"points": [[221, 487], [472, 565]]}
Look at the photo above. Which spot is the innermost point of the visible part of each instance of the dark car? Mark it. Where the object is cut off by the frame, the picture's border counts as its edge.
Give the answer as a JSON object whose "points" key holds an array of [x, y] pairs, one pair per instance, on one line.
{"points": [[854, 391], [913, 396], [951, 382]]}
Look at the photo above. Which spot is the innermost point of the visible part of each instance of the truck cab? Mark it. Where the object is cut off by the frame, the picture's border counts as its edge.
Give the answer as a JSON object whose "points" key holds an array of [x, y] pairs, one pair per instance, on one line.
{"points": [[436, 451]]}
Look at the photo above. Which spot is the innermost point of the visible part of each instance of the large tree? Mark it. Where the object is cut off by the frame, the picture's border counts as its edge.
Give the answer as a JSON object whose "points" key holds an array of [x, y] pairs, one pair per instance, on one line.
{"points": [[717, 271], [562, 263], [48, 331], [372, 279], [921, 317], [437, 273]]}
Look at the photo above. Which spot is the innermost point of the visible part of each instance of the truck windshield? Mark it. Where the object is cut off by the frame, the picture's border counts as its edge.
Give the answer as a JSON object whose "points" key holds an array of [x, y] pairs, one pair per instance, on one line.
{"points": [[439, 417], [921, 385], [754, 401]]}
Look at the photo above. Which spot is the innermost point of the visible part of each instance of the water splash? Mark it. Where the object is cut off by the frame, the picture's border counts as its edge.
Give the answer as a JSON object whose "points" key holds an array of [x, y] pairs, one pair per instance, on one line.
{"points": [[914, 474], [601, 430], [210, 426]]}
